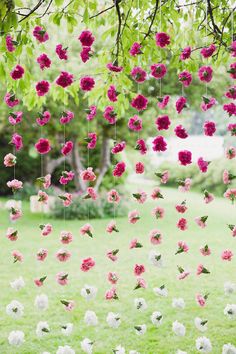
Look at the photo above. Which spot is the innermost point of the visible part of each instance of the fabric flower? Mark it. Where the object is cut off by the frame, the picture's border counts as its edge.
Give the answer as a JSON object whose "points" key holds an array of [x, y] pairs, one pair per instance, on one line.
{"points": [[87, 83], [43, 146], [205, 74], [138, 74], [40, 34], [139, 102], [42, 88], [162, 39], [158, 71], [65, 79], [61, 52], [44, 61], [18, 72]]}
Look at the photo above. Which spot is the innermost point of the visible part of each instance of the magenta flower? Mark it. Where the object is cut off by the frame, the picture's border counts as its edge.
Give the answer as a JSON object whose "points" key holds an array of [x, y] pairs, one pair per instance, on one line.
{"points": [[87, 264], [11, 100], [66, 177], [15, 118], [87, 83], [231, 93], [65, 79], [138, 74], [202, 164], [42, 87], [92, 111], [185, 78], [163, 123], [115, 68], [85, 54], [16, 140], [158, 70], [163, 101], [208, 51], [86, 38], [181, 208], [43, 118], [230, 108], [180, 132], [141, 146], [67, 148], [185, 157], [88, 175], [139, 102], [66, 117], [205, 73], [139, 168], [61, 52], [185, 53], [18, 72], [92, 140], [182, 224], [232, 49], [119, 169], [112, 93], [40, 34], [135, 49], [110, 114], [43, 146], [44, 61], [135, 123], [139, 269], [232, 70], [207, 103], [227, 255], [159, 144], [10, 44], [162, 39], [180, 104], [155, 237], [118, 147], [209, 128]]}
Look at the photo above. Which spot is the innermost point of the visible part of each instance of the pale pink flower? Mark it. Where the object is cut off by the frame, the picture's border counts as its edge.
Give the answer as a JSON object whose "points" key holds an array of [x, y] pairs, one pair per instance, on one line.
{"points": [[46, 229], [141, 283], [15, 185], [113, 196], [233, 229], [66, 237], [66, 198], [182, 247], [66, 177], [205, 250], [183, 274], [230, 194], [201, 299], [88, 174], [227, 177], [41, 254], [87, 264], [91, 193], [112, 277], [133, 216], [158, 212], [39, 281], [201, 221], [111, 294], [181, 208], [12, 234], [164, 176], [230, 152], [184, 185], [155, 237], [111, 227], [202, 270], [139, 269], [15, 214], [45, 181], [15, 118], [156, 194], [62, 278], [140, 197], [135, 244], [66, 117], [42, 197], [87, 229], [68, 304], [208, 197], [9, 160], [63, 255], [17, 256], [112, 255], [227, 255]]}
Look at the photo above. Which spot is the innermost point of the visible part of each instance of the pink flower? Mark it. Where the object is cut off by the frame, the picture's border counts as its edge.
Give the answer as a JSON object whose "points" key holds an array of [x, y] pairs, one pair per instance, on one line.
{"points": [[68, 304], [232, 129], [139, 102], [12, 234], [201, 299], [39, 281], [138, 74], [42, 197], [17, 256], [159, 144], [85, 54], [46, 229], [87, 230], [111, 294], [112, 255], [164, 176], [183, 274], [110, 114], [184, 185], [162, 39], [43, 118], [163, 101], [185, 53], [181, 208], [208, 51], [87, 83], [92, 140], [202, 164], [139, 269], [88, 175], [141, 146], [113, 196], [45, 181], [118, 147], [158, 212], [42, 87], [202, 270], [112, 93], [43, 146], [17, 73], [227, 255], [112, 277], [17, 141], [156, 194], [66, 117], [182, 224], [44, 61], [139, 168], [185, 157], [205, 73], [92, 111], [86, 38], [61, 52], [209, 128], [67, 148], [185, 78], [10, 44], [230, 109], [205, 250], [180, 104], [41, 254], [135, 49], [66, 237], [227, 177], [230, 194], [141, 197], [135, 244], [158, 71], [11, 100], [111, 227], [62, 278], [115, 68], [40, 34], [66, 177], [63, 255], [141, 283], [208, 197], [233, 229], [65, 79], [207, 103], [119, 169], [9, 160], [135, 123], [163, 123], [15, 214], [231, 93], [15, 118], [232, 70], [232, 49], [201, 221], [182, 247], [15, 185], [180, 132], [155, 237], [87, 264], [230, 152], [66, 198], [133, 216]]}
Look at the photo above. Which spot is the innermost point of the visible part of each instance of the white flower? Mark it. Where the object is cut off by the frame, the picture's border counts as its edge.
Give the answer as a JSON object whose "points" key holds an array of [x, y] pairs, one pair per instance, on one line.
{"points": [[41, 302], [67, 329], [178, 303], [90, 318], [16, 338], [140, 304], [181, 352], [200, 324], [228, 349], [17, 284], [230, 310], [65, 350], [119, 350], [113, 319], [155, 258], [162, 291], [42, 328], [140, 329], [203, 345], [15, 309], [87, 345], [156, 318], [229, 288], [178, 328], [89, 292]]}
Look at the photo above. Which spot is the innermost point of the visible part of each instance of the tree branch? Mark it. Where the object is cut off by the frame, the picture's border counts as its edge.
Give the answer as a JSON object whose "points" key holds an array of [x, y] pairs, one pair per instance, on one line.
{"points": [[33, 10], [152, 21], [118, 31]]}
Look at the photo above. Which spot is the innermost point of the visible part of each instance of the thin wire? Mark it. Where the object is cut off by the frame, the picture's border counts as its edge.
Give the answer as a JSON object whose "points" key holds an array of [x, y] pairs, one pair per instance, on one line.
{"points": [[138, 18], [232, 25], [64, 137], [160, 85], [206, 39]]}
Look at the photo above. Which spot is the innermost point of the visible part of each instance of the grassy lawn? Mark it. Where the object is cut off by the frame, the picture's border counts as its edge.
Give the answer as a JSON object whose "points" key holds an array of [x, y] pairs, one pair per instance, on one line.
{"points": [[160, 340]]}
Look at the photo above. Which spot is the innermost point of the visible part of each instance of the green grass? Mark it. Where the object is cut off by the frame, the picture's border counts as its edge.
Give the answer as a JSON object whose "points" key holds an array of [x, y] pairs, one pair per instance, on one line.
{"points": [[156, 340]]}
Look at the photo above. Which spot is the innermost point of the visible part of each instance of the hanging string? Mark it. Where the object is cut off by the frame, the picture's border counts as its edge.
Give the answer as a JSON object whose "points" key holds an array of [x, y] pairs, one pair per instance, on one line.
{"points": [[160, 27], [64, 139], [206, 38], [138, 18]]}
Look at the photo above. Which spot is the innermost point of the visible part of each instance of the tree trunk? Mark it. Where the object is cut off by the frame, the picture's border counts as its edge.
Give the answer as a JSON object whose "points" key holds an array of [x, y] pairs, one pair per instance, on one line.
{"points": [[51, 164], [105, 161]]}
